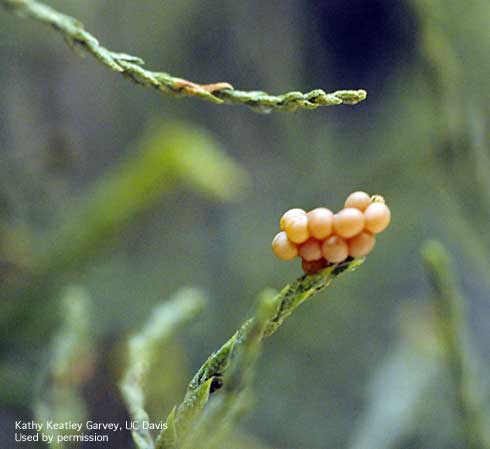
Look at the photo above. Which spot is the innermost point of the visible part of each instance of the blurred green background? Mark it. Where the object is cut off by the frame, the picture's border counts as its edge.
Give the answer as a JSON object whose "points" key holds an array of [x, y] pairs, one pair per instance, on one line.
{"points": [[131, 195]]}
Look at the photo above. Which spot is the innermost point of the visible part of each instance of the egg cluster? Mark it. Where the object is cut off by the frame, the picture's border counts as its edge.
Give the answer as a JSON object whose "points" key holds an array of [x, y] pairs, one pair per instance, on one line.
{"points": [[321, 237]]}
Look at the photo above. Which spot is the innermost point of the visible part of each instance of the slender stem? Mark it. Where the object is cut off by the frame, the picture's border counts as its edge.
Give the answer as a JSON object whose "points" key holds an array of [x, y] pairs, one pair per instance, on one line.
{"points": [[58, 393], [131, 66], [218, 418], [164, 321], [449, 307], [219, 370], [286, 301]]}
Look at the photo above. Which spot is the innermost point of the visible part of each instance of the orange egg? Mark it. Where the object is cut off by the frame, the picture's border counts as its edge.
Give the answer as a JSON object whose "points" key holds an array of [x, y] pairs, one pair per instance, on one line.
{"points": [[283, 248], [361, 245], [297, 228], [358, 200], [377, 217], [348, 222], [335, 249], [310, 250], [288, 214], [312, 267], [320, 222]]}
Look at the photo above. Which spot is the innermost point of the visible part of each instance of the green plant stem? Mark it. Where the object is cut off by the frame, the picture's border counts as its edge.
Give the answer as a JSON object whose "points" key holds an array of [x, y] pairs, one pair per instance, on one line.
{"points": [[131, 66], [59, 395], [224, 411], [165, 320], [286, 301], [449, 307], [214, 374]]}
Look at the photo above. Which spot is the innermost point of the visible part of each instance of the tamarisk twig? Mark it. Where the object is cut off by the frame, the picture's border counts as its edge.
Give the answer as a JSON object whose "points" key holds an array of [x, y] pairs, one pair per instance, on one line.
{"points": [[165, 319], [131, 66], [219, 369], [449, 306]]}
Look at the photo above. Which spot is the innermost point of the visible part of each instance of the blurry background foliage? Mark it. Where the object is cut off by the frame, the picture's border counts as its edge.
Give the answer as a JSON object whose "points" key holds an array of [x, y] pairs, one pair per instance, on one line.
{"points": [[132, 195]]}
